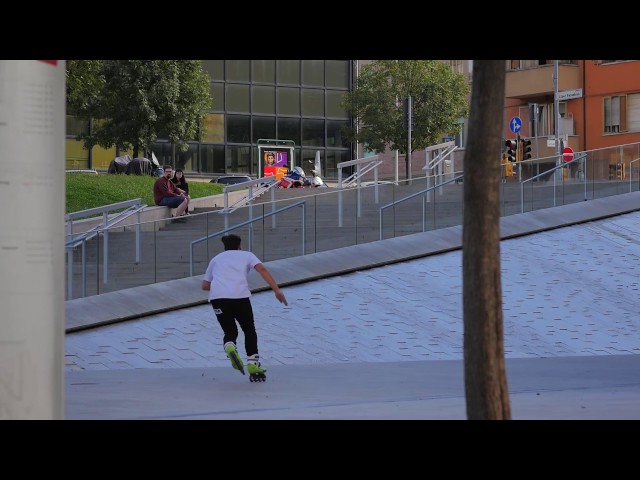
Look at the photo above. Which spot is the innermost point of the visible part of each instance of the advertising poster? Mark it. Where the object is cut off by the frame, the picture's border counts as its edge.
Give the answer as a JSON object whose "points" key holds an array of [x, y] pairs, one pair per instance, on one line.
{"points": [[275, 162]]}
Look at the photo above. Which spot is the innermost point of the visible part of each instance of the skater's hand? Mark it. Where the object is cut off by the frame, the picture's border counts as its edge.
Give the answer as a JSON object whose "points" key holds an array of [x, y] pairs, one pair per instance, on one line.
{"points": [[281, 298]]}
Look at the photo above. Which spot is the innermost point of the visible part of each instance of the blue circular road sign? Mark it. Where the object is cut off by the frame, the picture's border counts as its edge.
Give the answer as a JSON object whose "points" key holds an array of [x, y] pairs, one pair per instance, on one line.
{"points": [[515, 124]]}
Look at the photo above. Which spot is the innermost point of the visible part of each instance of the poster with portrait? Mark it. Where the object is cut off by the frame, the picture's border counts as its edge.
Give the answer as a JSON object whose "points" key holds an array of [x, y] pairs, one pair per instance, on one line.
{"points": [[275, 162]]}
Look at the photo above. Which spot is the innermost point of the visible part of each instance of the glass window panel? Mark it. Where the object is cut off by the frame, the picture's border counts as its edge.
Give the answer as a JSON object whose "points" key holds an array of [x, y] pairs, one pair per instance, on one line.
{"points": [[334, 157], [264, 71], [212, 159], [312, 132], [264, 99], [288, 101], [313, 72], [296, 156], [238, 98], [187, 161], [289, 71], [215, 69], [217, 96], [213, 128], [238, 129], [238, 70], [313, 102], [238, 159], [337, 73], [76, 126], [308, 160], [264, 127], [334, 109], [335, 135], [164, 153], [289, 129]]}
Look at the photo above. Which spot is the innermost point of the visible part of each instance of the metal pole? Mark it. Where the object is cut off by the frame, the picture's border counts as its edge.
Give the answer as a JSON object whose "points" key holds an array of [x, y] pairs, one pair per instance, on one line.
{"points": [[273, 206], [105, 245], [410, 115], [556, 108], [340, 196], [397, 167]]}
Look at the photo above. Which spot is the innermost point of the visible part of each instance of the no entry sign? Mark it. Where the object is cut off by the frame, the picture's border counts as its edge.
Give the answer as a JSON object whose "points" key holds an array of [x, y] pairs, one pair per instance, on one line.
{"points": [[567, 154]]}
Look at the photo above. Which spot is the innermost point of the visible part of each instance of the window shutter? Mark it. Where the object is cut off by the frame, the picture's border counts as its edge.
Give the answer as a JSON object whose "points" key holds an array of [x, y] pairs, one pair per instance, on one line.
{"points": [[633, 112]]}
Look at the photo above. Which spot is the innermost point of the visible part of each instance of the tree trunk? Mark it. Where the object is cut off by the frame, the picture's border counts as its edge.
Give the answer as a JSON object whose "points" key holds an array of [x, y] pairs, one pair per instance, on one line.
{"points": [[136, 151], [486, 391]]}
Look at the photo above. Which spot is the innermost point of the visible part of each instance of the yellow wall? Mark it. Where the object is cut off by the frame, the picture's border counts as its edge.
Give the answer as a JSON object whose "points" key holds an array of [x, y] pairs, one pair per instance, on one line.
{"points": [[76, 157], [102, 157]]}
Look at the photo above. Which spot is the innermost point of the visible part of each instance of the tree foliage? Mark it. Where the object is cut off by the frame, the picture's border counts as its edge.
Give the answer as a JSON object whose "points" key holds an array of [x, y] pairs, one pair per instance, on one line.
{"points": [[376, 103], [485, 376], [132, 101]]}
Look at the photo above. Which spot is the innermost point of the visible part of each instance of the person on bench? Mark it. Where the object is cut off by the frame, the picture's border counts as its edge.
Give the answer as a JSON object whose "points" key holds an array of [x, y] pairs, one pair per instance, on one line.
{"points": [[166, 194]]}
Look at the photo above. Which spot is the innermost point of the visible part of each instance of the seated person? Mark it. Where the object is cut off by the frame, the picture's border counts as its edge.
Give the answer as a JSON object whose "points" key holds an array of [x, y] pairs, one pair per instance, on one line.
{"points": [[166, 194], [182, 185]]}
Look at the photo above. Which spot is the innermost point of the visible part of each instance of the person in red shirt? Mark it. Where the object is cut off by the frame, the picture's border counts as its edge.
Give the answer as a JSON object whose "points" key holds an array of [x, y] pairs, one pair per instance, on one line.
{"points": [[166, 194]]}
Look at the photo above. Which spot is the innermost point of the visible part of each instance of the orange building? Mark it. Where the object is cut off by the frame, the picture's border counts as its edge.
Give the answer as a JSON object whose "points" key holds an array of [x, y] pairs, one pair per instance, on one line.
{"points": [[598, 102]]}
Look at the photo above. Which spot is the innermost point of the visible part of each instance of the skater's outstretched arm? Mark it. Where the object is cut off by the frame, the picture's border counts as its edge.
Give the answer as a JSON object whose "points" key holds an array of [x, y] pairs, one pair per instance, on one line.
{"points": [[262, 270], [206, 286]]}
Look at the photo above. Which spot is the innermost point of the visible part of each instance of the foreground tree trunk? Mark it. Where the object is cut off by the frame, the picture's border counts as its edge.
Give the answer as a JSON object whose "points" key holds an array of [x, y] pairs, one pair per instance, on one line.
{"points": [[486, 391]]}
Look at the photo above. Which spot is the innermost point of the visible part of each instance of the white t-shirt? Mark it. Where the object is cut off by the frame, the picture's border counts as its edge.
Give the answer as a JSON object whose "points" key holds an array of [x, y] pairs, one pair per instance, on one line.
{"points": [[228, 272]]}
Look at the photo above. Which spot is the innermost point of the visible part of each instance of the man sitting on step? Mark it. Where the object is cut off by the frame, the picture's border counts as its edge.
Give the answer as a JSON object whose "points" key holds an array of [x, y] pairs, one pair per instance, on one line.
{"points": [[166, 194]]}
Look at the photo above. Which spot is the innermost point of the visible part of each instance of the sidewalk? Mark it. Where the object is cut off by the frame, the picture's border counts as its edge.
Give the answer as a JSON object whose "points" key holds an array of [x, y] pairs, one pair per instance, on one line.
{"points": [[375, 331], [573, 388]]}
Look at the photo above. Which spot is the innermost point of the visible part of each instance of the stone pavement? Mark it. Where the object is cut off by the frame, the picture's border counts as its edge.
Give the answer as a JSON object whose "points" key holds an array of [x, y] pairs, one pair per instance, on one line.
{"points": [[375, 330]]}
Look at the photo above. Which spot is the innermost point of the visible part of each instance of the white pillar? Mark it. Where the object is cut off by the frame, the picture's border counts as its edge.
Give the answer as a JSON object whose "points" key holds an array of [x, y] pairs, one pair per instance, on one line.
{"points": [[32, 234]]}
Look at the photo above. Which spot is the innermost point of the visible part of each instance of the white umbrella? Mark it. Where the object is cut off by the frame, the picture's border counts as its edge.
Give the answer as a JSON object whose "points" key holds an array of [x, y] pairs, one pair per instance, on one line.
{"points": [[316, 167]]}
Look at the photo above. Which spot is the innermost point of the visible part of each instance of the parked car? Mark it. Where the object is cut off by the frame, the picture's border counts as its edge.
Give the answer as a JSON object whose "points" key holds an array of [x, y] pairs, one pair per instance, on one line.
{"points": [[232, 179]]}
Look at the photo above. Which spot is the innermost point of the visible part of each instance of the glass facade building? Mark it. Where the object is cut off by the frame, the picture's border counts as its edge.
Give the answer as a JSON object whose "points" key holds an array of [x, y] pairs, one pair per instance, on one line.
{"points": [[286, 100]]}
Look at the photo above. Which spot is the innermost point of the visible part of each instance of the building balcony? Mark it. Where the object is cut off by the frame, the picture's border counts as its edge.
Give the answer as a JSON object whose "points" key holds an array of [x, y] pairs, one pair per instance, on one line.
{"points": [[538, 81]]}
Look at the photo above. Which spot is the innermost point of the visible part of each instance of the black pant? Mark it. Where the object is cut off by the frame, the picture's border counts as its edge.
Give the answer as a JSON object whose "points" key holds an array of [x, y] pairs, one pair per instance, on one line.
{"points": [[227, 311]]}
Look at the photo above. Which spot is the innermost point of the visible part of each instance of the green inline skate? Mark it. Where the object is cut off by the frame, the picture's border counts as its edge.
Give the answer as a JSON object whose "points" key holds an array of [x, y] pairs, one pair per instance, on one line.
{"points": [[256, 372], [232, 353]]}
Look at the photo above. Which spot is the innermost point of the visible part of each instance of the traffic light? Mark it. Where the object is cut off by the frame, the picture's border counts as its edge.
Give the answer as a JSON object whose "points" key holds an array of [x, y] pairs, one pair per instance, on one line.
{"points": [[526, 148], [512, 149]]}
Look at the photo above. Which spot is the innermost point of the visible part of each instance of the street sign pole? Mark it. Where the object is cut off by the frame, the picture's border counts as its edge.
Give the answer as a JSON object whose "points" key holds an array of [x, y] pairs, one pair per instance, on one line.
{"points": [[556, 107], [519, 157]]}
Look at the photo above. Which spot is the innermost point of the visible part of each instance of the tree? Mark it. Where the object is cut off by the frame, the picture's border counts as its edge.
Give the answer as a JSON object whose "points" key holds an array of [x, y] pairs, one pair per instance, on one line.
{"points": [[132, 101], [376, 104], [486, 391]]}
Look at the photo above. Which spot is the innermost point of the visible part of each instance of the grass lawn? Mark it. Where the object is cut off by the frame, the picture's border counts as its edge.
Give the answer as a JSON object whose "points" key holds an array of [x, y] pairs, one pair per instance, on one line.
{"points": [[85, 191]]}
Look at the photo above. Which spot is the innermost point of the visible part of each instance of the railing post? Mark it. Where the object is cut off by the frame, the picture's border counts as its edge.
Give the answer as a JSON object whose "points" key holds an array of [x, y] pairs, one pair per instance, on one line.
{"points": [[339, 196], [105, 246], [69, 261], [138, 234], [273, 206]]}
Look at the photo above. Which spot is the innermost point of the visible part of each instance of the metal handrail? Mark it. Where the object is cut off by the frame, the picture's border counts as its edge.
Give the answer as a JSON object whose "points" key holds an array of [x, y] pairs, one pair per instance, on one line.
{"points": [[421, 192], [249, 184], [132, 207], [545, 173], [631, 174], [229, 229]]}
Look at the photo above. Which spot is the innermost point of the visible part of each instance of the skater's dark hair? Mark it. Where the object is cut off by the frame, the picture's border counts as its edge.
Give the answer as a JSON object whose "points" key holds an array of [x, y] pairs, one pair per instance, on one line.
{"points": [[231, 241]]}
